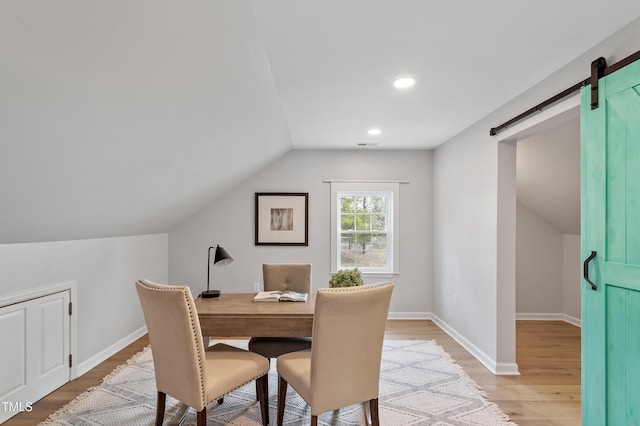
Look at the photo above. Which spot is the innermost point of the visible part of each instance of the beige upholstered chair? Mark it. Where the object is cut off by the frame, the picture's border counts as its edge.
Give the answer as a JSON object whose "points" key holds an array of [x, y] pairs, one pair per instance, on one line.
{"points": [[343, 366], [287, 276], [183, 368], [283, 276]]}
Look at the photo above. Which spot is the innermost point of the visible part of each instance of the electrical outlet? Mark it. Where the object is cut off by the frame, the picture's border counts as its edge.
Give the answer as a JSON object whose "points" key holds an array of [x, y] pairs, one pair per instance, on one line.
{"points": [[256, 286], [455, 299]]}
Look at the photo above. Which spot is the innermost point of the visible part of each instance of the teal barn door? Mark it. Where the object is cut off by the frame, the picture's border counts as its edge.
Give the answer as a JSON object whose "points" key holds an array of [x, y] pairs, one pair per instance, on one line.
{"points": [[610, 140]]}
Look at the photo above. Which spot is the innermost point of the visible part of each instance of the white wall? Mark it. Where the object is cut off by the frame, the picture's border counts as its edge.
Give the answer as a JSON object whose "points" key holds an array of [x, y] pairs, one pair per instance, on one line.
{"points": [[466, 225], [571, 277], [108, 310], [229, 221], [547, 270], [465, 235], [539, 265]]}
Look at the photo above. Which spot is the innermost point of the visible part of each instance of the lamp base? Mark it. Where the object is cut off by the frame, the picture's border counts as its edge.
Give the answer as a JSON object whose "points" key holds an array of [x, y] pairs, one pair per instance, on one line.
{"points": [[207, 294]]}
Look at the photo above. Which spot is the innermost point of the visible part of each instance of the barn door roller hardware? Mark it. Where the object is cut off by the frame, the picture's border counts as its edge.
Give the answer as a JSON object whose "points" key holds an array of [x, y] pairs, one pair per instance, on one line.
{"points": [[597, 72]]}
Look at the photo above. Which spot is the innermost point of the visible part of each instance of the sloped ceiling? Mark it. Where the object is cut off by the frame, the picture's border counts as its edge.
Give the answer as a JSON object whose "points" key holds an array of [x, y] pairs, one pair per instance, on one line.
{"points": [[548, 176], [125, 117]]}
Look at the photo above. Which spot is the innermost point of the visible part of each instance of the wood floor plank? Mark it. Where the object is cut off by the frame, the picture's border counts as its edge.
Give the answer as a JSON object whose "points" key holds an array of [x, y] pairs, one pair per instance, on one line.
{"points": [[546, 393]]}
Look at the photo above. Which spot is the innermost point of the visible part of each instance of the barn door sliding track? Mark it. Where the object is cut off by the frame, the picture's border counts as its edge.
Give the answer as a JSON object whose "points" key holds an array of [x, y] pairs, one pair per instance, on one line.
{"points": [[599, 69]]}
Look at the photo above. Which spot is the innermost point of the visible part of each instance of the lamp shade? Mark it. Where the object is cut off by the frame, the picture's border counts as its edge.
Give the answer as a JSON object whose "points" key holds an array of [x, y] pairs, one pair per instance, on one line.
{"points": [[222, 257]]}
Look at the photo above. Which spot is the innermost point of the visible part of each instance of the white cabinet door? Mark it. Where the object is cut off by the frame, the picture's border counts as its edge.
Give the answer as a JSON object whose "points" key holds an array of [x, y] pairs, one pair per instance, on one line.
{"points": [[13, 357], [35, 351]]}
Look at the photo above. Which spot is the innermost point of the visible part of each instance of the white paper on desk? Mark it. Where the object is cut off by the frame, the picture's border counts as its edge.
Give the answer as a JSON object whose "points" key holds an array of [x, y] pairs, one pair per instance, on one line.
{"points": [[280, 296]]}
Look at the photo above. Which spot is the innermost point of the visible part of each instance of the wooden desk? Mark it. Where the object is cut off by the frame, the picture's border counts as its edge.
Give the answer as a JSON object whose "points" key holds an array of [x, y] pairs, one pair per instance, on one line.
{"points": [[237, 315]]}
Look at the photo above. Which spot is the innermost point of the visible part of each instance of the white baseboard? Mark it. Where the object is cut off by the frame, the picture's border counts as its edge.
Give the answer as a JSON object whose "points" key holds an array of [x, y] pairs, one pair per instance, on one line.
{"points": [[549, 317], [502, 369], [90, 363], [497, 368], [573, 320], [494, 367], [87, 365], [409, 316]]}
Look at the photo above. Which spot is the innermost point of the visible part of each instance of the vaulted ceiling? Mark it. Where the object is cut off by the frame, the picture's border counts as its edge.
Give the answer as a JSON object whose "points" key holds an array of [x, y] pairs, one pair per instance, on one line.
{"points": [[126, 116], [548, 175]]}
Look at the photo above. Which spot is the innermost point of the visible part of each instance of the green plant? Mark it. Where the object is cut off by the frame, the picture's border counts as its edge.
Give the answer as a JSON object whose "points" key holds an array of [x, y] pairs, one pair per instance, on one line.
{"points": [[346, 278]]}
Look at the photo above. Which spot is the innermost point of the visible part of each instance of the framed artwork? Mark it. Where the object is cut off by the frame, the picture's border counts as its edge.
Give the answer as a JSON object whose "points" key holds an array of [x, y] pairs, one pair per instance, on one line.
{"points": [[282, 218]]}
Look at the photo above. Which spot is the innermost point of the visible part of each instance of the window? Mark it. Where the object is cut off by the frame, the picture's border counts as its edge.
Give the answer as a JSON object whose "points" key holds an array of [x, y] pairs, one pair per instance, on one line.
{"points": [[364, 226], [364, 230]]}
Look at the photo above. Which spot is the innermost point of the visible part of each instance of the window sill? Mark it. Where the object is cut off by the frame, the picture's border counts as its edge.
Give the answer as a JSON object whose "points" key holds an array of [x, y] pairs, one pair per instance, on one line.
{"points": [[379, 274], [374, 274]]}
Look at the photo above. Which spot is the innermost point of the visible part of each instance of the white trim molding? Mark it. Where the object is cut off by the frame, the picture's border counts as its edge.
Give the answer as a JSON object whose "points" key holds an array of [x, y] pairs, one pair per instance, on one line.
{"points": [[363, 181], [549, 317], [500, 369], [409, 316], [90, 363]]}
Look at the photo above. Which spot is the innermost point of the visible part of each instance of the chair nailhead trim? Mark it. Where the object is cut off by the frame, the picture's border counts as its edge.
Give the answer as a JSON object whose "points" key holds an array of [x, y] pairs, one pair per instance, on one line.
{"points": [[193, 329]]}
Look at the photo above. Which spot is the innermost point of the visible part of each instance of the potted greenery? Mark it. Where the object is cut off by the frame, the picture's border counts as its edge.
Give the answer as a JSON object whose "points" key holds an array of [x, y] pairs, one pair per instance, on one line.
{"points": [[346, 278]]}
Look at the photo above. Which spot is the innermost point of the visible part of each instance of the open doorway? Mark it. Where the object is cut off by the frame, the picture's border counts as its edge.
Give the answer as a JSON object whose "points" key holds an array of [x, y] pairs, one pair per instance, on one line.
{"points": [[563, 112], [548, 224]]}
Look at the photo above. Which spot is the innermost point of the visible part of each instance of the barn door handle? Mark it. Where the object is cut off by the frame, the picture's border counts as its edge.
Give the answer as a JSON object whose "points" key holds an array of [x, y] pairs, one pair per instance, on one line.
{"points": [[585, 270]]}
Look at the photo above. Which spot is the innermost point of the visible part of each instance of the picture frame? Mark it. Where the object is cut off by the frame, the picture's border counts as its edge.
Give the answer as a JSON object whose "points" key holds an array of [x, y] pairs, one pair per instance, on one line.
{"points": [[282, 219]]}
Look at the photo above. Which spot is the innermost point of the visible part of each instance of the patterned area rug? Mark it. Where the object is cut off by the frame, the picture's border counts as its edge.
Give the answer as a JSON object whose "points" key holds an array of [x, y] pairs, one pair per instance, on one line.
{"points": [[419, 385]]}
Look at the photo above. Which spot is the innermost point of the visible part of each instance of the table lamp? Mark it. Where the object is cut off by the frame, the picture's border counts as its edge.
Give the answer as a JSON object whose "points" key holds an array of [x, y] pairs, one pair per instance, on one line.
{"points": [[220, 258]]}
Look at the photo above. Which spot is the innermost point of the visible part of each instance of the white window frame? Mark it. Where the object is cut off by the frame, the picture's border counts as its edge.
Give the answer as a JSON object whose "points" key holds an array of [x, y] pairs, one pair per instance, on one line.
{"points": [[393, 231]]}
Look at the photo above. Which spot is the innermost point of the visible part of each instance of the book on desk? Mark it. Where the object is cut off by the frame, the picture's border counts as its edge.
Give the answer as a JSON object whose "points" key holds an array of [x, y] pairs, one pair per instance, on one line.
{"points": [[280, 296]]}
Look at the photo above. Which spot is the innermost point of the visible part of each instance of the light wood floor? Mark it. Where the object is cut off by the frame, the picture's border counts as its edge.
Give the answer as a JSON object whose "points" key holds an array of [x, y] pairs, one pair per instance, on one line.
{"points": [[546, 393]]}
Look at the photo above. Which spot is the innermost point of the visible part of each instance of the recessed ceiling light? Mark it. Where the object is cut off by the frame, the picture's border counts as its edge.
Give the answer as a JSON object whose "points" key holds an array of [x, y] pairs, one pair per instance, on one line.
{"points": [[374, 132], [404, 82]]}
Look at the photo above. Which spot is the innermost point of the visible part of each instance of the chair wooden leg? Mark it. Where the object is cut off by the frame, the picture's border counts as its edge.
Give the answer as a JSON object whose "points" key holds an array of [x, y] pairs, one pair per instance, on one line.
{"points": [[162, 397], [220, 401], [201, 419], [267, 385], [282, 396], [262, 397], [266, 389], [373, 407], [314, 420]]}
